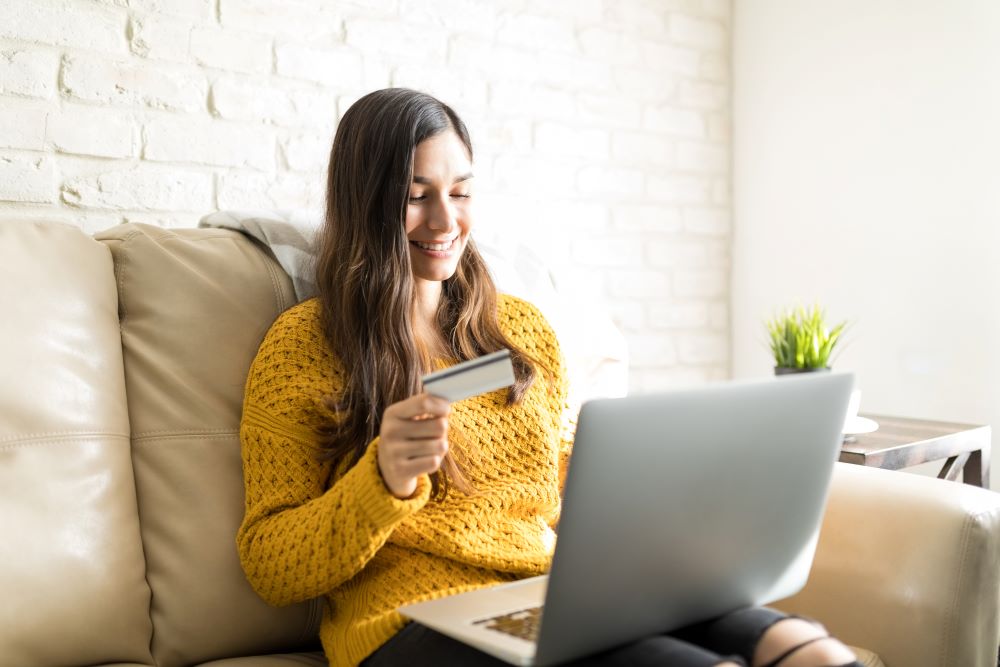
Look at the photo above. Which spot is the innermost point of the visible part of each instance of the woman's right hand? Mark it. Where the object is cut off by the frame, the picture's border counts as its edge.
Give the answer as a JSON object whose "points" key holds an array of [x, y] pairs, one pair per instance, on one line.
{"points": [[413, 440]]}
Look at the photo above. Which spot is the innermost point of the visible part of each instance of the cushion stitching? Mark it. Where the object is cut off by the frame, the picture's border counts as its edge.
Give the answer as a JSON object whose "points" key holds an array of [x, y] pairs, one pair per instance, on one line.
{"points": [[206, 436], [121, 286], [44, 434], [949, 622], [268, 264], [39, 442], [178, 431]]}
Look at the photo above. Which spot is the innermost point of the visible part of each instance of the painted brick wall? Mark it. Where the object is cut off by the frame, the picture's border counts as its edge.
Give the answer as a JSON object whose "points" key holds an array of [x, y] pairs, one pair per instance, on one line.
{"points": [[601, 129]]}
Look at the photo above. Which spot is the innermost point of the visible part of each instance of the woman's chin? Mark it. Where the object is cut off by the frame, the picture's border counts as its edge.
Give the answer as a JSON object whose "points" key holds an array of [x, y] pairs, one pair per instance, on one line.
{"points": [[433, 276], [434, 271]]}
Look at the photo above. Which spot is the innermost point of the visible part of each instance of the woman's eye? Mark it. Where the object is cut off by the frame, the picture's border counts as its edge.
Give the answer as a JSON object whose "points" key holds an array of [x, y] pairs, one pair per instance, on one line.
{"points": [[416, 198], [462, 195]]}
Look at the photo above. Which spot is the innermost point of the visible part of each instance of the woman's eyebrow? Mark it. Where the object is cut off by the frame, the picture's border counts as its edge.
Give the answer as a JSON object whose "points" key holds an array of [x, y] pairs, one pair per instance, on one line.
{"points": [[423, 180]]}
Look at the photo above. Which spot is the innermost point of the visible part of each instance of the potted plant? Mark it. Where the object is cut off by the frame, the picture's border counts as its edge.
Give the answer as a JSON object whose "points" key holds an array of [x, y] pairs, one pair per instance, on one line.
{"points": [[801, 341]]}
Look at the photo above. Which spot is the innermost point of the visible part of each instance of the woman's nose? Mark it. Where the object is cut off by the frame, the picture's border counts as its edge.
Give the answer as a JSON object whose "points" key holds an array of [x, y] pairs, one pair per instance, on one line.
{"points": [[442, 216]]}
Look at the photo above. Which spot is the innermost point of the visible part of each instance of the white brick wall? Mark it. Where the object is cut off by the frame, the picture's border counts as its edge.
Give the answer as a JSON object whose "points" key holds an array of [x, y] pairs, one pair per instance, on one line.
{"points": [[601, 129], [28, 73]]}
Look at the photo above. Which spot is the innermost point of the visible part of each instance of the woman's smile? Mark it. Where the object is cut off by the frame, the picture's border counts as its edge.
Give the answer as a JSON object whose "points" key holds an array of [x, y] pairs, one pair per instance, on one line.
{"points": [[436, 246]]}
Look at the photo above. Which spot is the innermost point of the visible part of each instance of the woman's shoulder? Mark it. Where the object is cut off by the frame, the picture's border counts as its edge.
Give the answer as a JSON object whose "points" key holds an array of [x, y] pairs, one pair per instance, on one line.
{"points": [[303, 317], [523, 320], [295, 340], [293, 367], [298, 326], [515, 308]]}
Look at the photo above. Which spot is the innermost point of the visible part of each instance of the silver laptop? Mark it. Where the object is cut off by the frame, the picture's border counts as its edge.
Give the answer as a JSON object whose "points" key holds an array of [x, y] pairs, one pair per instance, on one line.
{"points": [[678, 507]]}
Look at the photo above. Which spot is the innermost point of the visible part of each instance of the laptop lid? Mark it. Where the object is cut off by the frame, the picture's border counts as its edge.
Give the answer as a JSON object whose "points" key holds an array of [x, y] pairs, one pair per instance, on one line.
{"points": [[682, 506]]}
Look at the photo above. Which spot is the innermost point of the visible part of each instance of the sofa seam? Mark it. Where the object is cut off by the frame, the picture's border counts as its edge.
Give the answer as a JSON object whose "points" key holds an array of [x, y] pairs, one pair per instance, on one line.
{"points": [[44, 434], [130, 234], [206, 232], [970, 520], [44, 439], [175, 431], [275, 287], [964, 550], [127, 238], [119, 261], [186, 434]]}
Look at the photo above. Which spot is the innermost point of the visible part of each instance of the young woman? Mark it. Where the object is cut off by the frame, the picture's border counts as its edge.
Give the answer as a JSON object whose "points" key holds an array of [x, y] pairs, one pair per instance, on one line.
{"points": [[365, 490]]}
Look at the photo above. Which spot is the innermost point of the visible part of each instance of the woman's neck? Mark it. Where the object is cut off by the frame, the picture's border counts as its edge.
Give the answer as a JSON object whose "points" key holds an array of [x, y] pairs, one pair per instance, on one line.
{"points": [[426, 331], [427, 296]]}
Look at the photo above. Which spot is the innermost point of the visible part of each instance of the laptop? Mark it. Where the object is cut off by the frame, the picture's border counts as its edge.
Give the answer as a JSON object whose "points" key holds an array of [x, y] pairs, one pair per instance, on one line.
{"points": [[678, 507]]}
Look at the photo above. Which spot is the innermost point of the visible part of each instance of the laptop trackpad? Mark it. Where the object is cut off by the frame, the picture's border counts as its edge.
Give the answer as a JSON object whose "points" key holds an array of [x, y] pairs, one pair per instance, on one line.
{"points": [[529, 591]]}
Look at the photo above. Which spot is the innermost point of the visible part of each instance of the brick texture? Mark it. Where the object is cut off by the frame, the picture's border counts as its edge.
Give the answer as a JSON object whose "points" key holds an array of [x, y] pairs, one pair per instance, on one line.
{"points": [[601, 130]]}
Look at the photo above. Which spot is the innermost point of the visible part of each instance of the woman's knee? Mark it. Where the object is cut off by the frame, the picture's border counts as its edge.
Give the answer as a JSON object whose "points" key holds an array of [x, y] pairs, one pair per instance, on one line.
{"points": [[827, 651], [798, 642]]}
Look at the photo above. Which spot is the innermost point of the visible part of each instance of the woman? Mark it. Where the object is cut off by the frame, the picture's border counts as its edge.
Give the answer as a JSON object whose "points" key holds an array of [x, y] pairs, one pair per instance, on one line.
{"points": [[363, 489]]}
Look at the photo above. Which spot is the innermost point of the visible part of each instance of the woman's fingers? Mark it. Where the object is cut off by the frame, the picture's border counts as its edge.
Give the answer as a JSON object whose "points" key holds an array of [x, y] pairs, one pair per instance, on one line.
{"points": [[400, 474], [415, 429], [419, 406], [415, 449], [409, 468], [413, 441]]}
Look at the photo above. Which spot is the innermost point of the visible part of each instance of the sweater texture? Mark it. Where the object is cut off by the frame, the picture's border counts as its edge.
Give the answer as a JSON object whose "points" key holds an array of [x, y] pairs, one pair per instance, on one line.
{"points": [[314, 529]]}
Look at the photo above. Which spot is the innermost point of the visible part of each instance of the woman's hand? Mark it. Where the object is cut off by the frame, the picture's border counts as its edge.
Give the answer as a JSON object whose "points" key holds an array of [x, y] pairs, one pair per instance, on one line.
{"points": [[413, 440]]}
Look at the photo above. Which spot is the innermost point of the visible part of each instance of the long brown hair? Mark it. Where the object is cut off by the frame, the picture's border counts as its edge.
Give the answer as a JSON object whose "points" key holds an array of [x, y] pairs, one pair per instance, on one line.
{"points": [[365, 282]]}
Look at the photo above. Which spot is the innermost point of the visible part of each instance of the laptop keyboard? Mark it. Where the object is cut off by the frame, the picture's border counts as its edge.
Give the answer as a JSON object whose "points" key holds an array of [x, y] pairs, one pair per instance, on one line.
{"points": [[522, 624]]}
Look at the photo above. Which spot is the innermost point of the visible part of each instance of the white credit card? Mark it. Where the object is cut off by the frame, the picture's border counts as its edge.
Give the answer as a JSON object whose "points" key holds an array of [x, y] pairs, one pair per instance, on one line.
{"points": [[471, 378]]}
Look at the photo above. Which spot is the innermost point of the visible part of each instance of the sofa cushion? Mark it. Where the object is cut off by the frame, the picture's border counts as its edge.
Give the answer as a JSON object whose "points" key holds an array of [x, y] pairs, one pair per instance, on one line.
{"points": [[194, 305], [72, 575]]}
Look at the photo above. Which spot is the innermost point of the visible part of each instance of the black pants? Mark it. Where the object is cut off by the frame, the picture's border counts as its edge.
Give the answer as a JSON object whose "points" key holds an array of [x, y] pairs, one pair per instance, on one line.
{"points": [[734, 635]]}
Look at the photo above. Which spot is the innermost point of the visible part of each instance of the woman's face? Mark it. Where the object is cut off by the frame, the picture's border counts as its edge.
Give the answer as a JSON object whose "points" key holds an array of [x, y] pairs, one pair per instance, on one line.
{"points": [[438, 213]]}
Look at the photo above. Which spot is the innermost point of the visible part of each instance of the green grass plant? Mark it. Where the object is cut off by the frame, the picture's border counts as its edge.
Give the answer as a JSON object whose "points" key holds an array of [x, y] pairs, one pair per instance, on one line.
{"points": [[801, 339]]}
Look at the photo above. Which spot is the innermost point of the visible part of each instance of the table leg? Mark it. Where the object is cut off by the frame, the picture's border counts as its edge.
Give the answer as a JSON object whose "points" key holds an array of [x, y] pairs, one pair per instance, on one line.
{"points": [[954, 466], [977, 470]]}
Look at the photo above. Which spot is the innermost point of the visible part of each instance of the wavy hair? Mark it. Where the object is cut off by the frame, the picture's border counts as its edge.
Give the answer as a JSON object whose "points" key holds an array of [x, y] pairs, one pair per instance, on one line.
{"points": [[365, 281]]}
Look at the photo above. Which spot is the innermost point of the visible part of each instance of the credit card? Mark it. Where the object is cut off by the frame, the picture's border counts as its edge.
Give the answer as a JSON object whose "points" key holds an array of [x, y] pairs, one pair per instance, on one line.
{"points": [[471, 378]]}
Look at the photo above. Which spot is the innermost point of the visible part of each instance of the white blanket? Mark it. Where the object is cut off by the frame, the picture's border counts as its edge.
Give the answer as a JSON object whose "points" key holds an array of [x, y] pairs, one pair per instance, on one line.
{"points": [[289, 235]]}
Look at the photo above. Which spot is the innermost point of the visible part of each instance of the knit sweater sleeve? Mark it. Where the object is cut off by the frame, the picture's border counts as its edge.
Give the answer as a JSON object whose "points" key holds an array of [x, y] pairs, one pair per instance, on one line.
{"points": [[301, 535], [530, 329]]}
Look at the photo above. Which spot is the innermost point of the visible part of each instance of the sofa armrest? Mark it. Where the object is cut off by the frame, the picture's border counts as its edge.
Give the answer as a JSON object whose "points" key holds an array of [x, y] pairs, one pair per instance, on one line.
{"points": [[907, 566]]}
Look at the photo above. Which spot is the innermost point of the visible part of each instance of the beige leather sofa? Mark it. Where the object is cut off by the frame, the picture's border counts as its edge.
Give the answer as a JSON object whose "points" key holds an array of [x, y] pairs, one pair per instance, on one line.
{"points": [[123, 361]]}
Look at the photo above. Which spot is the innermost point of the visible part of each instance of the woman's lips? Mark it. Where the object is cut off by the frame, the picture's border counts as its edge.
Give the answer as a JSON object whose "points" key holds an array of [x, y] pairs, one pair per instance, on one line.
{"points": [[438, 246]]}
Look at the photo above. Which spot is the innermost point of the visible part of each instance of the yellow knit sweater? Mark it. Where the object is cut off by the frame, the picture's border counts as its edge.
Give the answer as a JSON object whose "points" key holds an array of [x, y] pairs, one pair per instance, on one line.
{"points": [[312, 529]]}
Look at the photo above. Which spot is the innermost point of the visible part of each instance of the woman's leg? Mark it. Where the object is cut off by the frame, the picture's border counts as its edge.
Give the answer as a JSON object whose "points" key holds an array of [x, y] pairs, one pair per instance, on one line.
{"points": [[763, 637], [768, 638], [658, 651], [419, 646], [798, 642]]}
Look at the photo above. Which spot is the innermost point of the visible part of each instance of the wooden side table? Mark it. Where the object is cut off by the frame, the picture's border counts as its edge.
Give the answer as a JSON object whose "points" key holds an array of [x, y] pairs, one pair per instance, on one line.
{"points": [[901, 442]]}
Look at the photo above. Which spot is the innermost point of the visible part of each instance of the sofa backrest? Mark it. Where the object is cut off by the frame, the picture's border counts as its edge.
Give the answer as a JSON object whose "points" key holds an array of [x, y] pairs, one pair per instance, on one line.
{"points": [[194, 305], [72, 576]]}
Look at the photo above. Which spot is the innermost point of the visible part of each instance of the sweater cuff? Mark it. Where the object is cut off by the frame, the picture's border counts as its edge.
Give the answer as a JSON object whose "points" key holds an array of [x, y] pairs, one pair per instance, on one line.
{"points": [[375, 499]]}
